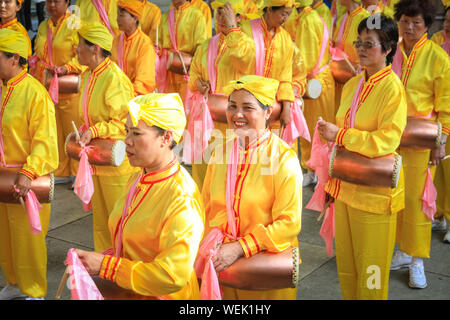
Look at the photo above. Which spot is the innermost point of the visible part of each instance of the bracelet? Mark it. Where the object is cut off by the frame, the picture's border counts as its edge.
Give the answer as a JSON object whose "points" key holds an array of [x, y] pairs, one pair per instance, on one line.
{"points": [[231, 26]]}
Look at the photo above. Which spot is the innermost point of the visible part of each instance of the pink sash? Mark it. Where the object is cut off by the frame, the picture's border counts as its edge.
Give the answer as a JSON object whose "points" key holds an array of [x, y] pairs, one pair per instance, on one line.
{"points": [[103, 14], [446, 44], [120, 51], [211, 60], [323, 48], [337, 52], [397, 62], [354, 106], [258, 38], [53, 89]]}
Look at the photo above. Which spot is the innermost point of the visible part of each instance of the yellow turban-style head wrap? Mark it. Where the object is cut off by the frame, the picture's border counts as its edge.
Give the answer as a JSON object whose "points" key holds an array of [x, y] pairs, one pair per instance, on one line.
{"points": [[163, 110], [135, 7], [278, 3], [13, 42], [446, 3], [97, 33], [238, 5], [264, 89], [303, 3]]}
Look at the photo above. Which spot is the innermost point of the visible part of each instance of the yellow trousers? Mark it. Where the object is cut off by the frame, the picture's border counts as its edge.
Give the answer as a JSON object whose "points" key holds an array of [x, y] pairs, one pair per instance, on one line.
{"points": [[364, 245], [280, 294], [107, 189], [315, 108], [23, 255], [442, 183], [413, 227], [66, 111]]}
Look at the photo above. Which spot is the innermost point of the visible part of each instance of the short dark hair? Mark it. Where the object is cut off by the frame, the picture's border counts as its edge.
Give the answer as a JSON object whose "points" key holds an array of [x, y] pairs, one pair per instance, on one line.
{"points": [[274, 8], [105, 53], [161, 132], [412, 8], [446, 10], [22, 61], [387, 33]]}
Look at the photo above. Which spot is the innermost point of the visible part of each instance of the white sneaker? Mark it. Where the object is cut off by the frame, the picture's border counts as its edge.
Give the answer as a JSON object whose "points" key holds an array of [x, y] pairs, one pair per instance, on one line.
{"points": [[439, 225], [309, 178], [400, 260], [446, 238], [31, 298], [11, 292], [417, 277]]}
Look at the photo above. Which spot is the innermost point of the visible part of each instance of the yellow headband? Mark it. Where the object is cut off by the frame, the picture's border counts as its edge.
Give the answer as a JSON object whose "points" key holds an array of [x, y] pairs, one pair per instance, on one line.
{"points": [[303, 3], [264, 89], [13, 42], [97, 33], [162, 110], [278, 3], [135, 7], [238, 5]]}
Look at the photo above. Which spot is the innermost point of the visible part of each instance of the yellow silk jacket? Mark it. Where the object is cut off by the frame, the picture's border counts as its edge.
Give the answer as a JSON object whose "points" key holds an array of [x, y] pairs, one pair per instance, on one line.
{"points": [[65, 42], [161, 235], [28, 126], [89, 13], [151, 18], [325, 13], [15, 25], [379, 124], [107, 96], [350, 33], [269, 219], [205, 9], [425, 76], [139, 60], [438, 37], [279, 55]]}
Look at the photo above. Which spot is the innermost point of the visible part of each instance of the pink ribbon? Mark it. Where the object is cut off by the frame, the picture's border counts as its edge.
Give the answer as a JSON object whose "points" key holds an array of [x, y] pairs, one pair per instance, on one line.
{"points": [[120, 51], [199, 129], [258, 38], [32, 207], [297, 127], [397, 62], [327, 229], [84, 185], [103, 14], [323, 48], [161, 70], [429, 197], [337, 52], [319, 161], [82, 287], [211, 58]]}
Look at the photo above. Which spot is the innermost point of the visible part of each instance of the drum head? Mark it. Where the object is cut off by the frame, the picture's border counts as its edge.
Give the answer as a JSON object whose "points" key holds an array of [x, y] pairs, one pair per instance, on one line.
{"points": [[118, 153], [314, 88]]}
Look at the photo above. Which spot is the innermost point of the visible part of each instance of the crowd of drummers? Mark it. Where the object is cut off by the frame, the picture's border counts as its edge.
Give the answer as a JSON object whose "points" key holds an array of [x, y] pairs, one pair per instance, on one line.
{"points": [[258, 99]]}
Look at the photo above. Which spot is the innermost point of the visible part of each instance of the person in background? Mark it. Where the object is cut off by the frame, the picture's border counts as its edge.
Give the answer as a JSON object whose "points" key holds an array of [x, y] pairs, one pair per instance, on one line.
{"points": [[325, 13], [40, 10], [151, 19], [102, 11], [8, 19], [377, 6]]}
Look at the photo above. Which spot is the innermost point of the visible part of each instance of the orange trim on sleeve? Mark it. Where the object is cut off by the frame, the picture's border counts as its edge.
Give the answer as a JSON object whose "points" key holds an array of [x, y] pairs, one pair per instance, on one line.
{"points": [[30, 175]]}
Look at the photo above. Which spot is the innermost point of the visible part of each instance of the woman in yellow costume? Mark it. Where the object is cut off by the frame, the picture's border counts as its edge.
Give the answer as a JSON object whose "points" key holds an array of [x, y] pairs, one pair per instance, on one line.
{"points": [[271, 222], [55, 47], [442, 177], [370, 121], [132, 50], [223, 69], [424, 68], [345, 34], [102, 11], [105, 92], [312, 39], [324, 12], [206, 10], [8, 19], [188, 28], [158, 221], [28, 142], [151, 19]]}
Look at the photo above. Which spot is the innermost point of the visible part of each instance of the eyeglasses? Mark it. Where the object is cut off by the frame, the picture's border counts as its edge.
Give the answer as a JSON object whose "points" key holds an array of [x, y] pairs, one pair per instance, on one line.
{"points": [[366, 44]]}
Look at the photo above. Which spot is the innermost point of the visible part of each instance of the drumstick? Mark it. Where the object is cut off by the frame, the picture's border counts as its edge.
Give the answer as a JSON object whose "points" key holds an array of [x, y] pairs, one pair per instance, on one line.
{"points": [[22, 203], [61, 284], [327, 204], [350, 64], [182, 62], [77, 133], [446, 157]]}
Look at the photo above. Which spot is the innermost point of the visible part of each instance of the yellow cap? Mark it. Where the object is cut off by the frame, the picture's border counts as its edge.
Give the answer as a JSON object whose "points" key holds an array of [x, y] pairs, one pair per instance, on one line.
{"points": [[302, 3], [135, 7], [163, 110], [97, 33], [238, 5], [278, 3], [13, 42], [264, 89]]}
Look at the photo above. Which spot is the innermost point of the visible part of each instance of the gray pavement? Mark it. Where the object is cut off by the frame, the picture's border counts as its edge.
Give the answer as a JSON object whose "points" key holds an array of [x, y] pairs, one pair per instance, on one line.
{"points": [[70, 227]]}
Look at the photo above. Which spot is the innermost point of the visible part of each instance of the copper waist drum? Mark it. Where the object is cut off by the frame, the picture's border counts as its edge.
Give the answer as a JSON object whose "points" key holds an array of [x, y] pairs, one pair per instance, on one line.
{"points": [[263, 271], [341, 71], [218, 104], [358, 169], [101, 152], [421, 133], [69, 83], [42, 186], [179, 62]]}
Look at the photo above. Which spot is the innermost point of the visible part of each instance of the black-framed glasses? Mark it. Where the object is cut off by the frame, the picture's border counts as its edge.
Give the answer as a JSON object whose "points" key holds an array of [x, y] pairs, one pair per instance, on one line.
{"points": [[365, 44]]}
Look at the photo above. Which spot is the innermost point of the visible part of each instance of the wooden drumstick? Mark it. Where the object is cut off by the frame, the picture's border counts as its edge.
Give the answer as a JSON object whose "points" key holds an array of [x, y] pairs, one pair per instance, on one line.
{"points": [[22, 203], [446, 157], [350, 65], [76, 130], [327, 204], [61, 284]]}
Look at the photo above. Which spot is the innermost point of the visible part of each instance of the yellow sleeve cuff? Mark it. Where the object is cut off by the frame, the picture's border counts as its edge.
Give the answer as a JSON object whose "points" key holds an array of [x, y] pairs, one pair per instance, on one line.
{"points": [[30, 175], [250, 245], [445, 130], [110, 265], [340, 136], [94, 131]]}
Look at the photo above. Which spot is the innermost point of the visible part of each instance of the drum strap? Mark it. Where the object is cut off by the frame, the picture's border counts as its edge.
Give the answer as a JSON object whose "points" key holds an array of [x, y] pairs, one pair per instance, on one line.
{"points": [[103, 14], [211, 61]]}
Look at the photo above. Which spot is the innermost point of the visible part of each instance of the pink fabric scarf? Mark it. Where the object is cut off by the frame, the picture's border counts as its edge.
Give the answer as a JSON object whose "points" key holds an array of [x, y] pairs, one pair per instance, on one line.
{"points": [[297, 127], [446, 44], [120, 51], [337, 52], [325, 38], [103, 15], [84, 185], [258, 38]]}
